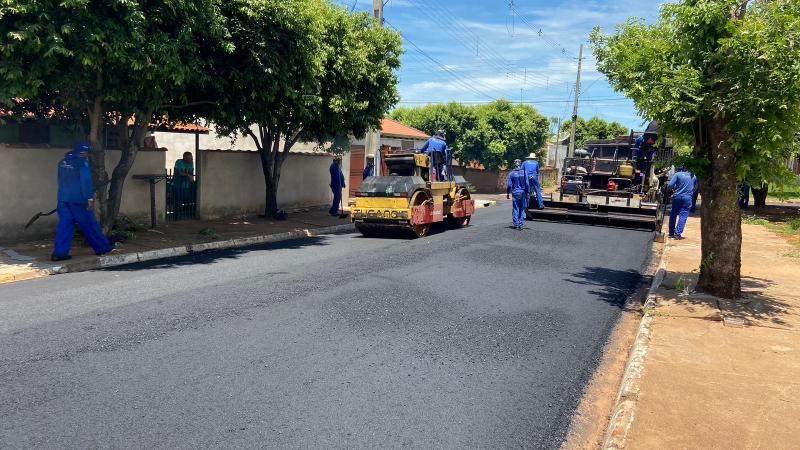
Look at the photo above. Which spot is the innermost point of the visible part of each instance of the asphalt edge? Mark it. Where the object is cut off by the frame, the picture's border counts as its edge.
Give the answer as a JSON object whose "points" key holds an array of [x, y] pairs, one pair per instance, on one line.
{"points": [[107, 261], [624, 410]]}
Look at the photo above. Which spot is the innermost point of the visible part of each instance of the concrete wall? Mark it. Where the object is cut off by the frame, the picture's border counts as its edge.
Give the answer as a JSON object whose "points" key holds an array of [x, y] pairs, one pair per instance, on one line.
{"points": [[232, 182], [29, 184], [485, 181]]}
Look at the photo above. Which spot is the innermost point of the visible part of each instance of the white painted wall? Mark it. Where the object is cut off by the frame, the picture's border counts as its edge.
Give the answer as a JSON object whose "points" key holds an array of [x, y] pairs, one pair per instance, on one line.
{"points": [[232, 182], [29, 184]]}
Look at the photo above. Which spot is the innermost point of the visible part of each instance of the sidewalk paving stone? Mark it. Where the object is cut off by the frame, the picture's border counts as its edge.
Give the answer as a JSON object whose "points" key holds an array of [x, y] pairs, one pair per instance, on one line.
{"points": [[708, 385]]}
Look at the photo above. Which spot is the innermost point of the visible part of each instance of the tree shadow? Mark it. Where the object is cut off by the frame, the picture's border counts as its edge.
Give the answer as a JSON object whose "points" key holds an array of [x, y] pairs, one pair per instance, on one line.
{"points": [[613, 286], [755, 306], [211, 256]]}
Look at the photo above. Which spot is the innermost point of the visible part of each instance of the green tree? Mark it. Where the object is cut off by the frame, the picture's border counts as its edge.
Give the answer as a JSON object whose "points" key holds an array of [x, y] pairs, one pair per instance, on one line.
{"points": [[494, 134], [302, 70], [104, 63], [725, 76], [593, 129]]}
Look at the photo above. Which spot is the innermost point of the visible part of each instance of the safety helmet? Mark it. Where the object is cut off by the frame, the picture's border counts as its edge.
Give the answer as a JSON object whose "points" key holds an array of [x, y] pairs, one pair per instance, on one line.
{"points": [[531, 156]]}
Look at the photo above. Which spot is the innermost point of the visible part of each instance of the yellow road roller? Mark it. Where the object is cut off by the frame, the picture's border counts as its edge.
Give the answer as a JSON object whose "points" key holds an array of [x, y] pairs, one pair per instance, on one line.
{"points": [[415, 195]]}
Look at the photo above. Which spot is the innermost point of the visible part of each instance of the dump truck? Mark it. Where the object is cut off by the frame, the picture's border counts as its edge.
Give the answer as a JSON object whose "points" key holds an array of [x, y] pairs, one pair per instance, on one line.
{"points": [[610, 182], [415, 195]]}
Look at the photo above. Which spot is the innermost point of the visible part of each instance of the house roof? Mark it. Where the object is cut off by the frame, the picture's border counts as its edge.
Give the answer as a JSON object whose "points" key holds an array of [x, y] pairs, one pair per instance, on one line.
{"points": [[394, 128], [175, 127], [163, 125]]}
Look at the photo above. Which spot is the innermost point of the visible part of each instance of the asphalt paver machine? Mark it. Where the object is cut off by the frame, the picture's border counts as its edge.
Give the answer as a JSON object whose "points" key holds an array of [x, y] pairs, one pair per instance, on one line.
{"points": [[415, 195], [609, 182]]}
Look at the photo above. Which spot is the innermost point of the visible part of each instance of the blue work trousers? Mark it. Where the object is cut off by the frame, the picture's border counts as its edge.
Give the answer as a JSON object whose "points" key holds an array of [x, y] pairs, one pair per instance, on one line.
{"points": [[681, 206], [520, 201], [68, 215], [537, 191], [337, 201]]}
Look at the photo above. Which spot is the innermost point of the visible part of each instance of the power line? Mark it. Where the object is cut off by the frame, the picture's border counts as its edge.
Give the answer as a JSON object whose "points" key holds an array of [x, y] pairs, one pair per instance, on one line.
{"points": [[538, 30], [456, 77], [467, 37], [598, 101]]}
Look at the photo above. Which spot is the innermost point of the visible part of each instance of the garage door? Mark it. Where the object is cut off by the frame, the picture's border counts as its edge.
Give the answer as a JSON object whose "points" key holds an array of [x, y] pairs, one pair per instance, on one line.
{"points": [[357, 164]]}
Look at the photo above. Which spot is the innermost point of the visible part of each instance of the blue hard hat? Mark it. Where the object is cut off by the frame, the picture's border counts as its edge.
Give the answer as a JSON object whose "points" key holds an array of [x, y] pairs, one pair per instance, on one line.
{"points": [[81, 148]]}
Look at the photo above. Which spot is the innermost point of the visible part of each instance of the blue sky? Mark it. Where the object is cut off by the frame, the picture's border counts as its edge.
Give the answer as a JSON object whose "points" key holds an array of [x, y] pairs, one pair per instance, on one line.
{"points": [[483, 49]]}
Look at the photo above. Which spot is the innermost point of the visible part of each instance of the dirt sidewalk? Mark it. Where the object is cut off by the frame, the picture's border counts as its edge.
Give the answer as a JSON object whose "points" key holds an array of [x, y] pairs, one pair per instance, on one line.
{"points": [[722, 374], [31, 259]]}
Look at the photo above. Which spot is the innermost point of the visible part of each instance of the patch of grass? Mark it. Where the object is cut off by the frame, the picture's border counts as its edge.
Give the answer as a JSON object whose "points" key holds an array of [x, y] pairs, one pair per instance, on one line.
{"points": [[209, 233], [653, 312], [123, 235], [755, 220], [792, 254]]}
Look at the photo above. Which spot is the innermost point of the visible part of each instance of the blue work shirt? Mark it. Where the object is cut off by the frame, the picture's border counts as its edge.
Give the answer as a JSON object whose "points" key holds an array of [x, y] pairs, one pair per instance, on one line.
{"points": [[682, 185], [74, 179], [517, 183], [337, 177], [368, 171], [436, 145], [640, 152], [531, 168]]}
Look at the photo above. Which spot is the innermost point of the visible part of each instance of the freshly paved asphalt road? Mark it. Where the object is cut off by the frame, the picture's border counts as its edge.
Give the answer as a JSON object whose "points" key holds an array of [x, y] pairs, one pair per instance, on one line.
{"points": [[482, 337]]}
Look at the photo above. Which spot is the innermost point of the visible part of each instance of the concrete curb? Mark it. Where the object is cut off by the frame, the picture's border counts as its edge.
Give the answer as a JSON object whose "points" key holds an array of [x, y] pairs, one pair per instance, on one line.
{"points": [[625, 407], [103, 262]]}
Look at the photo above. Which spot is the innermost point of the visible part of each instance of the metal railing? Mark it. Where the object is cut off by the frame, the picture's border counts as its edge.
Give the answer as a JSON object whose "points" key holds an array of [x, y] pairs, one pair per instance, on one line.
{"points": [[181, 197]]}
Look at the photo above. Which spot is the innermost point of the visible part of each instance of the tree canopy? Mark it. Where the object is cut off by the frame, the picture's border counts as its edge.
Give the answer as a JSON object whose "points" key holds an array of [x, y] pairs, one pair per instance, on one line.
{"points": [[593, 129], [494, 134], [105, 63], [278, 71], [301, 70], [723, 75]]}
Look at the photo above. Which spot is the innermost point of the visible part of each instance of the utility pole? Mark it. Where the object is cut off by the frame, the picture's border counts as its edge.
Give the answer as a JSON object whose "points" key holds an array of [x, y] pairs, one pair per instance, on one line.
{"points": [[377, 8], [555, 144], [375, 141], [571, 151]]}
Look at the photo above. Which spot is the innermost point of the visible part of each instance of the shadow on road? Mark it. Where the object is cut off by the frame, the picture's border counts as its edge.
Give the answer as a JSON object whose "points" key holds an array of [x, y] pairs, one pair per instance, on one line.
{"points": [[614, 286], [212, 256]]}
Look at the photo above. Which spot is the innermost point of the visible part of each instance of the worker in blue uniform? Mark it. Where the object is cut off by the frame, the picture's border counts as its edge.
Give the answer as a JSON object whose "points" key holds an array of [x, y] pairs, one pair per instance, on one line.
{"points": [[518, 187], [682, 187], [76, 204], [531, 168], [337, 184], [436, 149], [744, 195], [370, 169], [696, 192]]}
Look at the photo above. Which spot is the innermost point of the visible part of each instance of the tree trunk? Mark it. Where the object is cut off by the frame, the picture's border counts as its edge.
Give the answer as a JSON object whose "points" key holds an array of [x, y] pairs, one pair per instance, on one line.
{"points": [[130, 148], [98, 155], [760, 195], [721, 225]]}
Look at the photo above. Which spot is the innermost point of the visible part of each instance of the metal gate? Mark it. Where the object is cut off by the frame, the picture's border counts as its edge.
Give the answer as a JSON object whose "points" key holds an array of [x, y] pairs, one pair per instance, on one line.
{"points": [[181, 197]]}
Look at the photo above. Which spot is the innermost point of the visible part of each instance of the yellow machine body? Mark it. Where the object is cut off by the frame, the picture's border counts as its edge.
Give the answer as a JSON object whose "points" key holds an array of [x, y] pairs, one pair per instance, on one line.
{"points": [[626, 171], [407, 200]]}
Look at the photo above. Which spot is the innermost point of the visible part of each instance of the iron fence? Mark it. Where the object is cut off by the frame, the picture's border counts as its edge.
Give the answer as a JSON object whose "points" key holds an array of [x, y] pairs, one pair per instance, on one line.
{"points": [[181, 197]]}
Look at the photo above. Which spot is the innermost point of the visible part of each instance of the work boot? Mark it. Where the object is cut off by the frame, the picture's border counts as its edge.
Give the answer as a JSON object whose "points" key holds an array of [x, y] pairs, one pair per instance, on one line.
{"points": [[56, 258]]}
